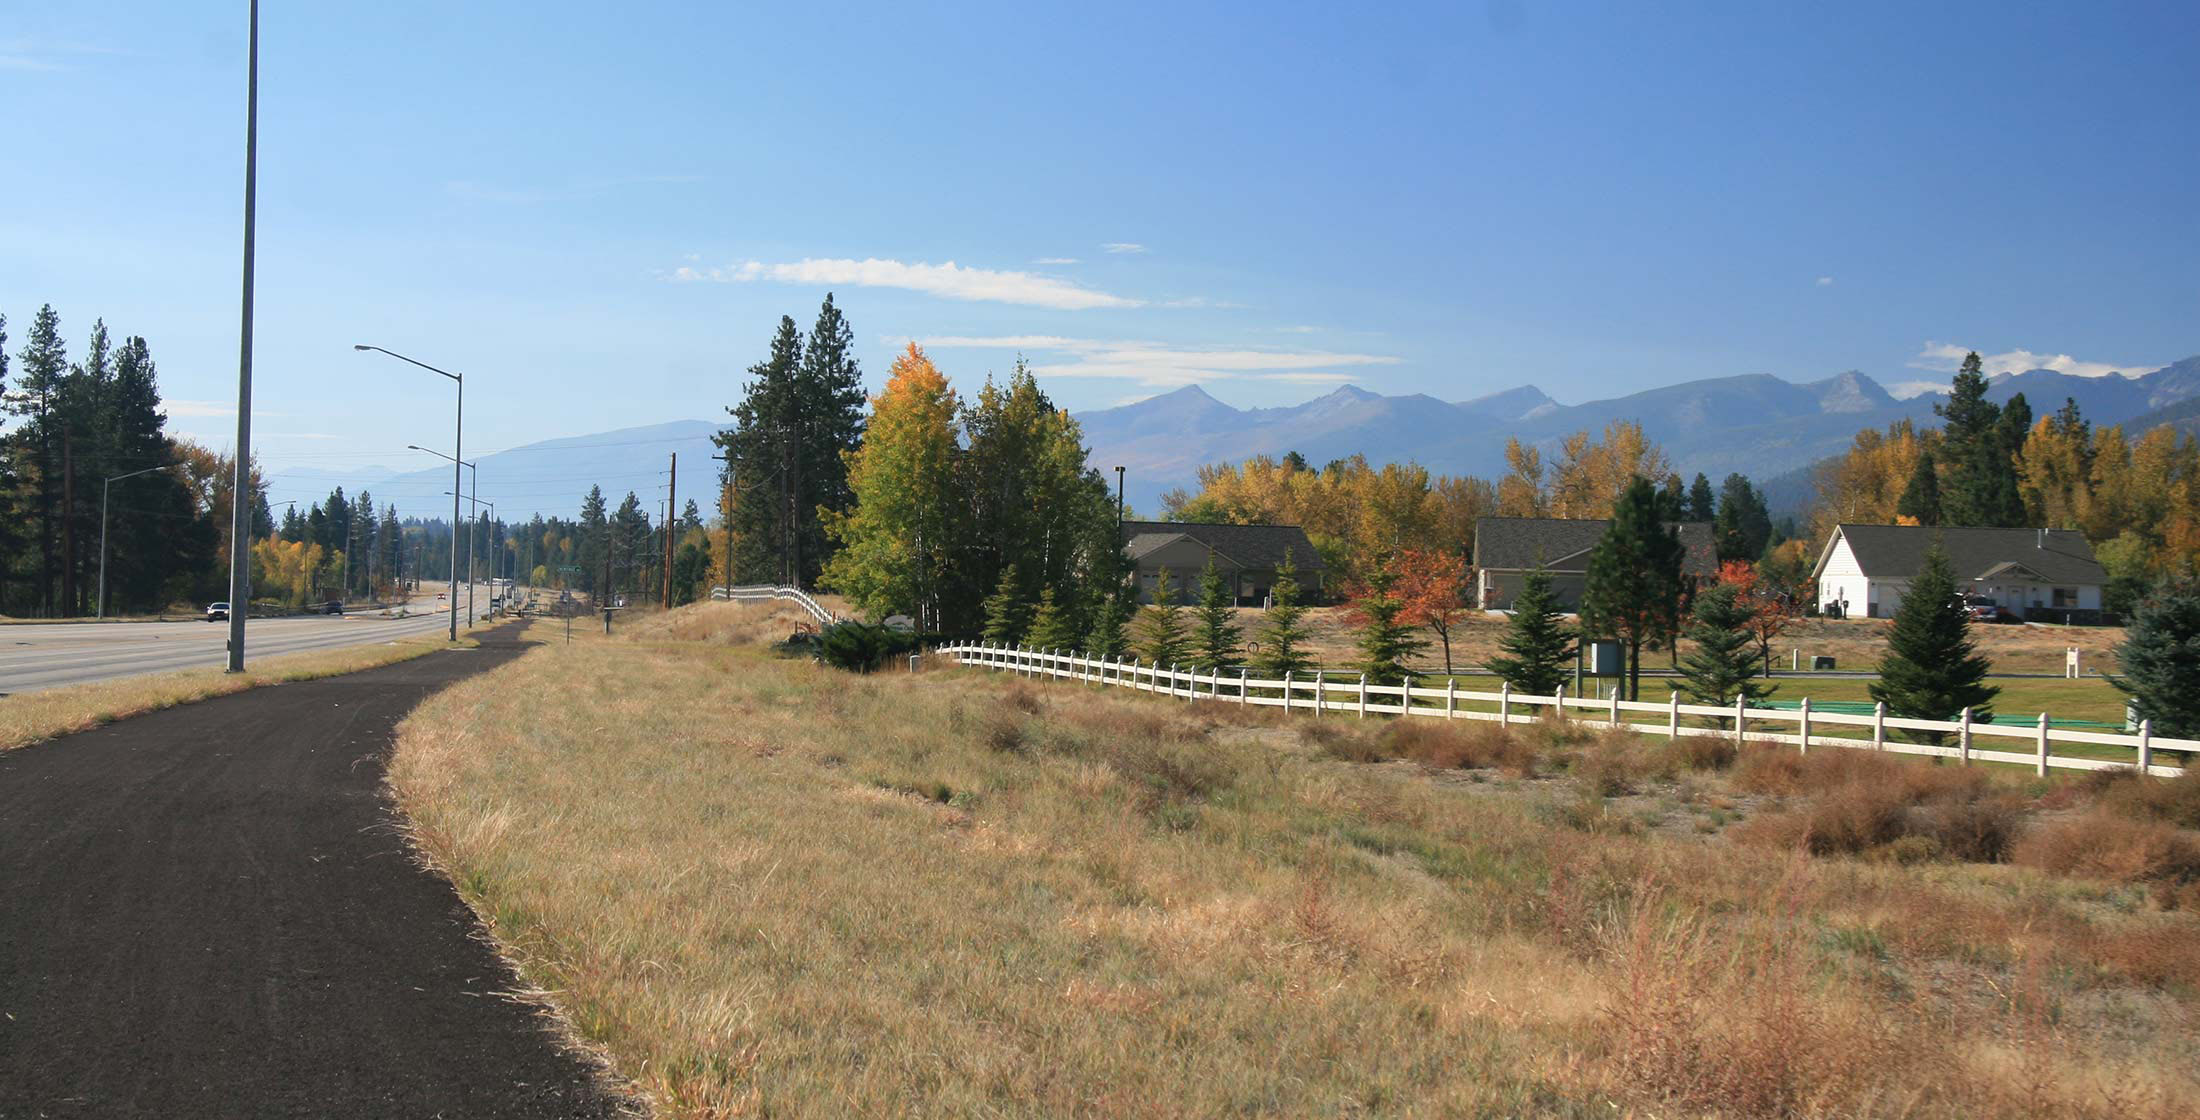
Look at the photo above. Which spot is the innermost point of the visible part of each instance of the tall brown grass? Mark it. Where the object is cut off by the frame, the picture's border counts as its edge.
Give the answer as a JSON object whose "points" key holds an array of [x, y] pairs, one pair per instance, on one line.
{"points": [[767, 888]]}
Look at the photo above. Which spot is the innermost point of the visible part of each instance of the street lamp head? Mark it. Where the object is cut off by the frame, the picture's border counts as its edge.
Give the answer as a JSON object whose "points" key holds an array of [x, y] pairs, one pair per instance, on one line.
{"points": [[361, 346]]}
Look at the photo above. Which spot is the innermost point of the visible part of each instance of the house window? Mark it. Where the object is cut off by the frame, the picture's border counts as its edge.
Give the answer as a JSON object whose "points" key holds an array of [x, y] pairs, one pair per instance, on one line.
{"points": [[2066, 597]]}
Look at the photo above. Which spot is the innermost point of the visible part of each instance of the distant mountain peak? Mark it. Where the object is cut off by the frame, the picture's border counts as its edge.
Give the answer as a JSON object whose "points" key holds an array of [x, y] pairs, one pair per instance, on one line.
{"points": [[1517, 403], [1851, 391]]}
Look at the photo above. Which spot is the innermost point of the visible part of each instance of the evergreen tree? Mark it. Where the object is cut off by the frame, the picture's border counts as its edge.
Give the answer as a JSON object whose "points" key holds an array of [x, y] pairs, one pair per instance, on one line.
{"points": [[1051, 625], [1110, 619], [1006, 619], [1284, 631], [1744, 525], [1921, 497], [1981, 480], [761, 455], [40, 382], [10, 531], [1701, 505], [2001, 494], [1386, 641], [1673, 499], [1160, 634], [1932, 670], [1634, 586], [593, 548], [1538, 646], [829, 391], [1722, 668], [1215, 632], [2160, 658]]}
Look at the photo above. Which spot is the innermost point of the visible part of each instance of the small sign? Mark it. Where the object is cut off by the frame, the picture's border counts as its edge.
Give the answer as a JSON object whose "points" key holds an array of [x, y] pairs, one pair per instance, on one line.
{"points": [[1604, 658]]}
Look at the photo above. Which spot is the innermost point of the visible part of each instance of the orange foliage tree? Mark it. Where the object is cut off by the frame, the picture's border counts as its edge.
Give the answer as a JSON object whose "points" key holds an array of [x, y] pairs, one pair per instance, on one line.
{"points": [[1772, 609], [1433, 586]]}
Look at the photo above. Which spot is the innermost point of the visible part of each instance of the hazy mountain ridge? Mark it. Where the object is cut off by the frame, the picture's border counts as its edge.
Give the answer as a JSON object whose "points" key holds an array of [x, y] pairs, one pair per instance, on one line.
{"points": [[1757, 424]]}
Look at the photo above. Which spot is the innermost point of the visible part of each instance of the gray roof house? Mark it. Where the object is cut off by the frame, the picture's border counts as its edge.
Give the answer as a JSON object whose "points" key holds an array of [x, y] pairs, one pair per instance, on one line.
{"points": [[2028, 573], [1248, 556], [1506, 549]]}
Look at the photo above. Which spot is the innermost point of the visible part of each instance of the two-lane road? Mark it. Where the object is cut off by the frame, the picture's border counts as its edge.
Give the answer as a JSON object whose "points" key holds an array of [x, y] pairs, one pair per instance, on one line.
{"points": [[45, 655]]}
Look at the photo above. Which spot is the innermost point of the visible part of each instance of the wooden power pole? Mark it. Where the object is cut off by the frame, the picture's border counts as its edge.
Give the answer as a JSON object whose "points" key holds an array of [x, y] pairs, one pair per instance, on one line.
{"points": [[672, 521]]}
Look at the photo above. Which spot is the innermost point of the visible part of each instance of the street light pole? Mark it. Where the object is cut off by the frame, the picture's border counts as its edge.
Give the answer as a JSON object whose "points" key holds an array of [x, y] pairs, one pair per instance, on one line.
{"points": [[458, 436], [453, 491], [101, 610], [240, 493]]}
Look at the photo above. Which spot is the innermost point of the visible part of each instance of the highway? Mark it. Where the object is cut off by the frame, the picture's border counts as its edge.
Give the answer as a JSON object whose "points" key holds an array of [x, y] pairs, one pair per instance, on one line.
{"points": [[46, 655]]}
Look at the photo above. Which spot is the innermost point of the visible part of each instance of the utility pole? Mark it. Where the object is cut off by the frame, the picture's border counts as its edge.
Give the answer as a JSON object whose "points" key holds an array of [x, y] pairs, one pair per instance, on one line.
{"points": [[672, 511], [1118, 497], [725, 511], [240, 492]]}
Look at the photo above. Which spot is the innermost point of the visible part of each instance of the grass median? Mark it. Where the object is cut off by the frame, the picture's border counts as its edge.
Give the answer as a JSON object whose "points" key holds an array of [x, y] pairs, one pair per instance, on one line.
{"points": [[764, 887], [32, 717]]}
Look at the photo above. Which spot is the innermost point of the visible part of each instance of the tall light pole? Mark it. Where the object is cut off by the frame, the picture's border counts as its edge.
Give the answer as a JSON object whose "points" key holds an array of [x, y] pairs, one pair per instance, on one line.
{"points": [[458, 439], [240, 493], [101, 611], [471, 564], [455, 464]]}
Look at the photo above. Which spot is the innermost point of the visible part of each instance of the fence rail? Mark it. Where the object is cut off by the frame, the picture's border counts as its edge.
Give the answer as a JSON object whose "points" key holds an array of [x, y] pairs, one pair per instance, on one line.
{"points": [[763, 591], [1318, 694]]}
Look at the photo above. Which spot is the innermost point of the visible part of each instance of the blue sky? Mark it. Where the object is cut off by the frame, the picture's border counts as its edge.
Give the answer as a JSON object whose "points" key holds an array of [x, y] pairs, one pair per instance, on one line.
{"points": [[600, 217]]}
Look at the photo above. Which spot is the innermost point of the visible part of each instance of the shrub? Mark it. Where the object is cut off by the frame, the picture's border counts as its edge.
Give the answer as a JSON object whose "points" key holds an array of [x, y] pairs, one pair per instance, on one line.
{"points": [[2173, 801], [860, 647], [2099, 846], [1698, 752], [1977, 829], [1460, 745]]}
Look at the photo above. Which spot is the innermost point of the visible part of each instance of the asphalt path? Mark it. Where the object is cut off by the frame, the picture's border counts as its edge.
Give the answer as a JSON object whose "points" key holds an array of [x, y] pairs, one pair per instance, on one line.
{"points": [[209, 911], [46, 655]]}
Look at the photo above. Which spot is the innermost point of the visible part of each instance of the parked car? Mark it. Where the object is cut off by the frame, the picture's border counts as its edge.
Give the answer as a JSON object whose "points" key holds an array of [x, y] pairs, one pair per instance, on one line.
{"points": [[1982, 608], [217, 612], [333, 606]]}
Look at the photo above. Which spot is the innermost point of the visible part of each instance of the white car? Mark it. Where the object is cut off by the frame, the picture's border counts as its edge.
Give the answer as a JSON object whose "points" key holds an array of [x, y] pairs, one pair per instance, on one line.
{"points": [[217, 612]]}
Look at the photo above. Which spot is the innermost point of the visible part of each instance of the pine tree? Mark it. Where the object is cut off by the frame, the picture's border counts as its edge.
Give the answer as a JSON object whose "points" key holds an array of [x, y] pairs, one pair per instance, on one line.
{"points": [[1386, 641], [593, 548], [1109, 621], [1722, 668], [1932, 669], [1160, 634], [38, 398], [1215, 633], [2160, 658], [1744, 524], [10, 538], [1051, 625], [1673, 499], [1701, 505], [1284, 631], [1633, 590], [762, 456], [1006, 618], [1981, 480], [829, 409], [1921, 497], [1537, 644]]}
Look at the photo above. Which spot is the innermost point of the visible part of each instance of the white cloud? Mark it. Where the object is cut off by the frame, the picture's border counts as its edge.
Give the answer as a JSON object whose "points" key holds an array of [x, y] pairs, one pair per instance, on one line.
{"points": [[948, 281], [1122, 247], [1946, 358], [1056, 260], [1157, 364], [1825, 281], [1904, 390]]}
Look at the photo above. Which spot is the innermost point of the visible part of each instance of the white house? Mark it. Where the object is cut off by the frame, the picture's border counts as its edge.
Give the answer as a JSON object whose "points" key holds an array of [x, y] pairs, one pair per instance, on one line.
{"points": [[1865, 569]]}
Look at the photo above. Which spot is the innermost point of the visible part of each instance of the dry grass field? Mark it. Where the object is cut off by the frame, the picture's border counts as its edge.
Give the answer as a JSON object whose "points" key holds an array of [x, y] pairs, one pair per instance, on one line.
{"points": [[31, 717], [762, 887]]}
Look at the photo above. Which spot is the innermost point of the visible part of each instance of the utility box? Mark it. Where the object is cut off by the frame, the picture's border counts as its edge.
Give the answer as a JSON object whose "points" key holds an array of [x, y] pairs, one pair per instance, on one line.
{"points": [[1604, 658], [1821, 663]]}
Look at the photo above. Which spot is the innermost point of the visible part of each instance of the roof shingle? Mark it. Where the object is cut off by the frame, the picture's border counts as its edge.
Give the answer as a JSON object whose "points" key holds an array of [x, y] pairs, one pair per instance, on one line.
{"points": [[1250, 546], [1898, 552], [1562, 544]]}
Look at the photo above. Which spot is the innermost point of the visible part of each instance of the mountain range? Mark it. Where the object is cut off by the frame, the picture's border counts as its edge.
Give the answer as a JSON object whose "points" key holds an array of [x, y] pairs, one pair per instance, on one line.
{"points": [[1767, 428]]}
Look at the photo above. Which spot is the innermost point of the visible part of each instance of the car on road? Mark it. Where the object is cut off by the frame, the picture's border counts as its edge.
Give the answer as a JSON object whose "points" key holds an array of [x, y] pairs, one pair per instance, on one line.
{"points": [[333, 606], [217, 612]]}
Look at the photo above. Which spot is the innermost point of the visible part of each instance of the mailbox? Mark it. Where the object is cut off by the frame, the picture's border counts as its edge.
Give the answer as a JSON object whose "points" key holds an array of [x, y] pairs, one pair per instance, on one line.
{"points": [[1604, 658], [1821, 663]]}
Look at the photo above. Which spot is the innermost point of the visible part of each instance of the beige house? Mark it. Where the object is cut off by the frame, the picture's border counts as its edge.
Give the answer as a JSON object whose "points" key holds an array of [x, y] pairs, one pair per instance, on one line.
{"points": [[1247, 556], [1506, 549]]}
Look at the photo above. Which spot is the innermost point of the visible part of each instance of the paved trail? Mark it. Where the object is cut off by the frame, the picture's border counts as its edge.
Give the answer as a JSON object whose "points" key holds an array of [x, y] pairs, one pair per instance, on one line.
{"points": [[205, 912]]}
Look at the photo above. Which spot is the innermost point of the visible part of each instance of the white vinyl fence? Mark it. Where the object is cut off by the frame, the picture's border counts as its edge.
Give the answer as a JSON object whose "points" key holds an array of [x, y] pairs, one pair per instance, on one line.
{"points": [[760, 592], [1317, 695]]}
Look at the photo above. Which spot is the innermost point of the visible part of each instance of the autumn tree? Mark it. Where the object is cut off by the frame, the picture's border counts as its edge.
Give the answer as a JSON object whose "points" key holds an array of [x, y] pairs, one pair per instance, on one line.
{"points": [[1520, 492], [1771, 608], [897, 540], [1433, 586]]}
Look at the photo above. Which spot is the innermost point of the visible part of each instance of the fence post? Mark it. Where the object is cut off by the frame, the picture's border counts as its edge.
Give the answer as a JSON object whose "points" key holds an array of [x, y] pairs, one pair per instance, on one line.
{"points": [[1243, 697], [1558, 701], [1672, 715], [2146, 747], [1963, 736], [1321, 682], [1505, 703], [1451, 696], [1287, 690], [1879, 726], [1805, 725], [1741, 717], [1615, 705], [2041, 763], [1363, 695]]}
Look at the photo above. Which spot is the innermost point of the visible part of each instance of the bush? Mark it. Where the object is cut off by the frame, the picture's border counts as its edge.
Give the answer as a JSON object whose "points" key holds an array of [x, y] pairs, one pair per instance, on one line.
{"points": [[2172, 801], [860, 647], [1460, 745], [1698, 752], [1859, 802], [2099, 846]]}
